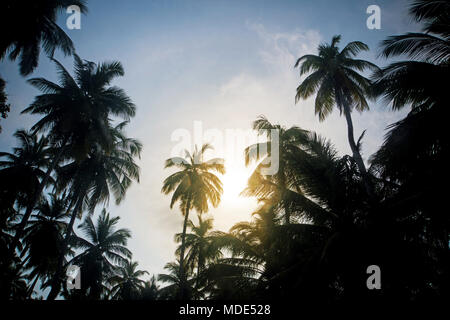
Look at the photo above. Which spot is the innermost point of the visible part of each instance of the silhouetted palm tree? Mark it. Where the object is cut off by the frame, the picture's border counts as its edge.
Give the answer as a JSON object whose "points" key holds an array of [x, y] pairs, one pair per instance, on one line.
{"points": [[150, 291], [274, 186], [43, 238], [200, 245], [89, 182], [31, 25], [273, 260], [13, 282], [179, 285], [194, 187], [336, 80], [127, 285], [103, 247], [419, 83], [239, 275], [21, 172], [4, 106], [413, 159], [76, 114]]}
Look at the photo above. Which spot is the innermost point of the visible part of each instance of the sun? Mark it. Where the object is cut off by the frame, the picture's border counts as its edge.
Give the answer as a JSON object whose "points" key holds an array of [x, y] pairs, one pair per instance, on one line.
{"points": [[234, 182], [234, 207]]}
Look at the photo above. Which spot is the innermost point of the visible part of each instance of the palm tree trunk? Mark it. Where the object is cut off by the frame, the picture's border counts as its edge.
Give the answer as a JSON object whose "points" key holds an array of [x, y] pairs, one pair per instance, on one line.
{"points": [[197, 279], [56, 283], [199, 269], [183, 243], [282, 181], [356, 154], [287, 212], [35, 198]]}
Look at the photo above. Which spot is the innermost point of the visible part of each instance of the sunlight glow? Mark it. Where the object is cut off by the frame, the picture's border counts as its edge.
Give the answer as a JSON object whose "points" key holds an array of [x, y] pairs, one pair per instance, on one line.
{"points": [[234, 207], [235, 181]]}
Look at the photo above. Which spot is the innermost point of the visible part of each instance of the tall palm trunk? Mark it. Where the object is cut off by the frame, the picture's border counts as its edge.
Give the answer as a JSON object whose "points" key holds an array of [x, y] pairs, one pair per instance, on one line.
{"points": [[35, 198], [197, 278], [182, 293], [287, 211], [356, 154], [282, 182], [200, 266], [56, 280]]}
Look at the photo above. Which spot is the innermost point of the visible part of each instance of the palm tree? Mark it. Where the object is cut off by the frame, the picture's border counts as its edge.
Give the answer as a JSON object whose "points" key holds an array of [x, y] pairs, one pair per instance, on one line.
{"points": [[275, 186], [179, 285], [127, 285], [200, 245], [274, 260], [419, 83], [76, 115], [90, 182], [32, 25], [4, 106], [150, 291], [103, 247], [415, 153], [336, 80], [43, 238], [13, 284], [21, 171], [193, 187], [242, 273]]}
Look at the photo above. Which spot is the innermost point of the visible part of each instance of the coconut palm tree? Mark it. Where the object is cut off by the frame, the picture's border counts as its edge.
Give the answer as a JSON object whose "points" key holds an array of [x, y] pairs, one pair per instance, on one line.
{"points": [[13, 284], [126, 284], [76, 115], [103, 246], [200, 246], [416, 149], [179, 285], [43, 238], [275, 186], [4, 106], [31, 25], [150, 291], [336, 79], [91, 181], [419, 83], [21, 171], [194, 187], [242, 273], [274, 260]]}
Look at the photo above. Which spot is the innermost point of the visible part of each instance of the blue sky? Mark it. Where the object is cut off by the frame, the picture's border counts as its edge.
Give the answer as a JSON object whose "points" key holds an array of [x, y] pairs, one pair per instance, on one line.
{"points": [[219, 62]]}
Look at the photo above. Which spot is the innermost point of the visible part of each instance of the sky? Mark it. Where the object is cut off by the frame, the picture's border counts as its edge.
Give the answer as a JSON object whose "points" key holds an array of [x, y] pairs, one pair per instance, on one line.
{"points": [[217, 65]]}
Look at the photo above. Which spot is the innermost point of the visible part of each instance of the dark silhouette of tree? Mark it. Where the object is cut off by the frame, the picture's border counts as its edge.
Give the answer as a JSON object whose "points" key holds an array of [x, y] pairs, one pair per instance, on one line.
{"points": [[414, 156], [127, 283], [201, 248], [21, 172], [32, 25], [103, 246], [91, 181], [276, 186], [179, 285], [150, 291], [76, 115], [4, 105], [194, 187], [336, 79], [43, 238]]}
